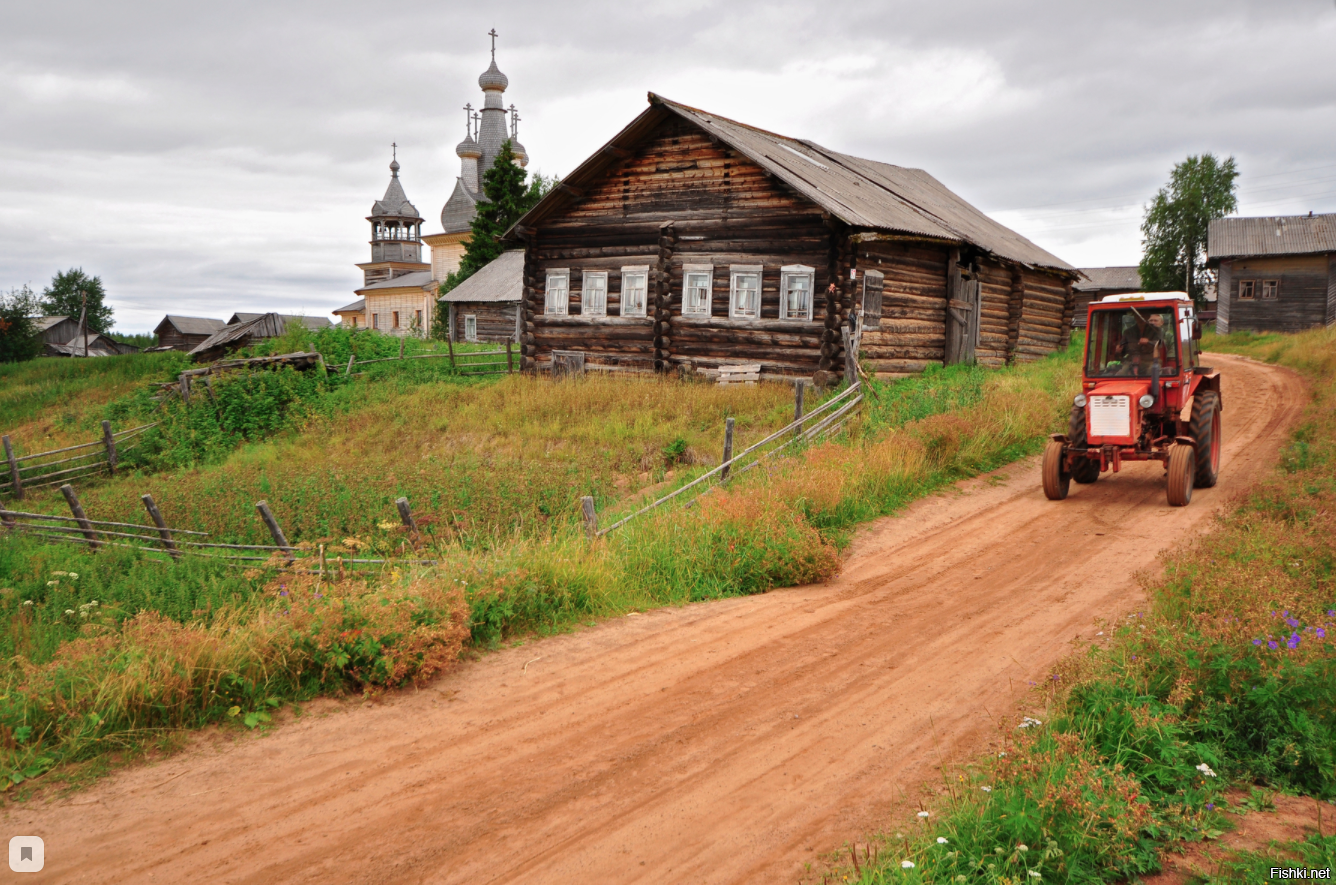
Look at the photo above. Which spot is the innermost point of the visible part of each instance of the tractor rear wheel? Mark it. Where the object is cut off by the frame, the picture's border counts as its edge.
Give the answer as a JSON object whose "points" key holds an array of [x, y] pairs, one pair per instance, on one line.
{"points": [[1056, 478], [1084, 470], [1182, 470], [1206, 432]]}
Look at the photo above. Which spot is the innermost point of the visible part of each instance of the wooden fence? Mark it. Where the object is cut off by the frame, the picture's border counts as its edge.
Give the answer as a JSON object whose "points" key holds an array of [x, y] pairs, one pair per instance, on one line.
{"points": [[466, 364], [79, 528], [25, 472]]}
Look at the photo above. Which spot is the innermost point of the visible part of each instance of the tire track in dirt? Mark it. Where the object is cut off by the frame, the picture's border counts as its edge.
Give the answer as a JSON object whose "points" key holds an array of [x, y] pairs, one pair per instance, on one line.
{"points": [[724, 742]]}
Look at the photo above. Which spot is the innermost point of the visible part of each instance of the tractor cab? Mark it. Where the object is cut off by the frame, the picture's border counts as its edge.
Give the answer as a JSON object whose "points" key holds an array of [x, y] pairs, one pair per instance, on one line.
{"points": [[1142, 372]]}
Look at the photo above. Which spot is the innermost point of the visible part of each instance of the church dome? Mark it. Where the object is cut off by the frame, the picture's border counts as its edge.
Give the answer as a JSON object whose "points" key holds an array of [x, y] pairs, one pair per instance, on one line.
{"points": [[468, 148], [520, 153], [492, 78]]}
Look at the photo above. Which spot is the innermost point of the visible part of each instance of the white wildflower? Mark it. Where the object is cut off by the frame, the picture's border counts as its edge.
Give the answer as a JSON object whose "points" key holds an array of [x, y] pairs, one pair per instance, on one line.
{"points": [[923, 814], [74, 576], [52, 583], [59, 574], [69, 611], [1022, 848], [27, 602], [986, 789], [1030, 722], [1034, 874], [941, 840], [1206, 770], [906, 865]]}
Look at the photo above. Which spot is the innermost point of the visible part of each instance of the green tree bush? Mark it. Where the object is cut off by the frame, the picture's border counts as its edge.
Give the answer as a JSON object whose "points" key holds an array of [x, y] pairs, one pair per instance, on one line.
{"points": [[63, 298], [19, 339], [1200, 190]]}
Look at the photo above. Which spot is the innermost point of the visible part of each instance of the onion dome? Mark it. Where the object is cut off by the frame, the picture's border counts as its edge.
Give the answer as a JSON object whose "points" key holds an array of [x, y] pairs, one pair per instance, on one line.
{"points": [[468, 148], [492, 78]]}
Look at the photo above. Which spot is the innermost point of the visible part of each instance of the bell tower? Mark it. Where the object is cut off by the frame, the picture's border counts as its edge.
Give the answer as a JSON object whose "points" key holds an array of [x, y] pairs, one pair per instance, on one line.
{"points": [[396, 234]]}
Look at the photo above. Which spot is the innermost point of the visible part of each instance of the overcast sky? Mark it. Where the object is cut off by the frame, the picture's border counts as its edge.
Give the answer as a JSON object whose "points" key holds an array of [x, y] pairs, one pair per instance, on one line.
{"points": [[208, 158]]}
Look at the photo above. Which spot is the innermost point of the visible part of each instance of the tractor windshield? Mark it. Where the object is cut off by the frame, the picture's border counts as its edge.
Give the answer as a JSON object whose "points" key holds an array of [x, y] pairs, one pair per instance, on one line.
{"points": [[1131, 342]]}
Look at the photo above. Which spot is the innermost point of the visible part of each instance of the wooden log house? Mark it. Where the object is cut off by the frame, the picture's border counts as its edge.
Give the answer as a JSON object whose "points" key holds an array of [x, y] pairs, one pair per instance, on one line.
{"points": [[692, 241], [185, 333], [485, 306], [1275, 274]]}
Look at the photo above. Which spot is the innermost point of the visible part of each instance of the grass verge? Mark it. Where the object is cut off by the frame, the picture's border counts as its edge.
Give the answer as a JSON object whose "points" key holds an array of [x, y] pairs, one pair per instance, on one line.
{"points": [[1229, 679]]}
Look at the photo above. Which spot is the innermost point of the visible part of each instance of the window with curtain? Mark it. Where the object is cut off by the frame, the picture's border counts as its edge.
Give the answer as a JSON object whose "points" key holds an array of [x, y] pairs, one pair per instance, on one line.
{"points": [[470, 327], [744, 299], [697, 282], [556, 295], [795, 292], [635, 291], [594, 294]]}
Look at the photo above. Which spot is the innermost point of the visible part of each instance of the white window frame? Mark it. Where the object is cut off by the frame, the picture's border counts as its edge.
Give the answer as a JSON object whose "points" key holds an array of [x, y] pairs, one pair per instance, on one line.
{"points": [[470, 327], [1247, 288], [557, 307], [734, 273], [642, 269], [590, 308], [787, 273], [696, 310]]}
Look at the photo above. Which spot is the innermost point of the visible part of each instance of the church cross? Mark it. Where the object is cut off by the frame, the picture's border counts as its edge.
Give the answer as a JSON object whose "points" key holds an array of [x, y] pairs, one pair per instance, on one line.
{"points": [[394, 149], [493, 34]]}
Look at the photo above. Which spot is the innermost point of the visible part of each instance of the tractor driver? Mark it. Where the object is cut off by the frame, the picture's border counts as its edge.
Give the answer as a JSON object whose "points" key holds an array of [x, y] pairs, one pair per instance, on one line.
{"points": [[1142, 343]]}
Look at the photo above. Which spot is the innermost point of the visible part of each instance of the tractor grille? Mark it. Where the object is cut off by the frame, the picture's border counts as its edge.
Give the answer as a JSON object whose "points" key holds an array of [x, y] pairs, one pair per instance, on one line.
{"points": [[1110, 416]]}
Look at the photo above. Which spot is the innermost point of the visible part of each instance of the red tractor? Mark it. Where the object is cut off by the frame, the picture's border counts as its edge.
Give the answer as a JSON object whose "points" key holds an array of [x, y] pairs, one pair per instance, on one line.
{"points": [[1141, 379]]}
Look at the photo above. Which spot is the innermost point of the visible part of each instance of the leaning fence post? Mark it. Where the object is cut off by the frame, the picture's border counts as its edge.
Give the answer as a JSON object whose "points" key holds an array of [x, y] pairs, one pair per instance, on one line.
{"points": [[401, 347], [164, 532], [728, 449], [406, 514], [349, 370], [510, 367], [450, 345], [279, 538], [590, 516], [13, 469], [798, 387], [110, 442], [850, 360], [185, 388], [79, 516]]}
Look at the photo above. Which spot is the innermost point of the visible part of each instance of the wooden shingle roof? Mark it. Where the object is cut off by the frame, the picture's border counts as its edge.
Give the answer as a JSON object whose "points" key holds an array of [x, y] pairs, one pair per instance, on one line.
{"points": [[865, 194], [1282, 235], [190, 325], [501, 280]]}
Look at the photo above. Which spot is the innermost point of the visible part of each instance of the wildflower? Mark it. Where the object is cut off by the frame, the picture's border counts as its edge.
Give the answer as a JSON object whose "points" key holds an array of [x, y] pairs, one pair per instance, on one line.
{"points": [[52, 583], [1034, 874], [1029, 721], [1332, 613], [941, 840], [282, 593], [74, 576], [27, 602], [1001, 755], [1206, 770], [59, 574], [83, 614], [69, 611], [1022, 848], [1321, 633], [923, 814], [906, 865], [1293, 622], [986, 789], [1257, 642], [319, 596], [1273, 645], [1210, 806], [1293, 641]]}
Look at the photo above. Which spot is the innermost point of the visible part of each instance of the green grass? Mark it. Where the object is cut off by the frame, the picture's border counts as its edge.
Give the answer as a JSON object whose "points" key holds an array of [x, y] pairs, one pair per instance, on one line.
{"points": [[1233, 668], [1317, 852]]}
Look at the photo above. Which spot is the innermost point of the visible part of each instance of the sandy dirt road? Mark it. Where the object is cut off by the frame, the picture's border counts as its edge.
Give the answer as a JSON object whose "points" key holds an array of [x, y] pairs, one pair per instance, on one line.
{"points": [[725, 742]]}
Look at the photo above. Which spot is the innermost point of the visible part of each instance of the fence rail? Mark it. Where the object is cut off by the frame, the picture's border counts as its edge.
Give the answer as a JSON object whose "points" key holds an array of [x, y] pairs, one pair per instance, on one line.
{"points": [[33, 471], [464, 364]]}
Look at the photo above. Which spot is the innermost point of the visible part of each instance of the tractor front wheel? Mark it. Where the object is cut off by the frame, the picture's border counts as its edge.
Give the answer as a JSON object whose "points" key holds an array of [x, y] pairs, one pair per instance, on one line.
{"points": [[1206, 432], [1056, 478], [1182, 471], [1085, 470]]}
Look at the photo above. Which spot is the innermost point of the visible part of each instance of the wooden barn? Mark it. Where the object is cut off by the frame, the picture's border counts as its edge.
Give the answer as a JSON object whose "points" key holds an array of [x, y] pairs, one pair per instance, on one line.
{"points": [[56, 330], [247, 329], [692, 241], [185, 333], [1100, 282], [485, 307], [1275, 274]]}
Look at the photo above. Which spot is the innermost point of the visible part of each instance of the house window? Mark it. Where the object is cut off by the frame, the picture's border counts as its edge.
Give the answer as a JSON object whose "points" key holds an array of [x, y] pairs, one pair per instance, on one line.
{"points": [[1269, 289], [594, 294], [1245, 290], [697, 283], [394, 319], [557, 295], [470, 327], [417, 318], [744, 291], [795, 292], [375, 321], [635, 289]]}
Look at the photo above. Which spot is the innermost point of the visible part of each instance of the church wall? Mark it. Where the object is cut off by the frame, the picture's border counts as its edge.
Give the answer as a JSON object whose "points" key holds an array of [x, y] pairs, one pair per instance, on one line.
{"points": [[407, 304]]}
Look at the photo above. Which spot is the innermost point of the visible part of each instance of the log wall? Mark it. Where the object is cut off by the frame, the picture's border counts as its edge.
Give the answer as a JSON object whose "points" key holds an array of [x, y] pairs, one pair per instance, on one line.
{"points": [[912, 334], [1301, 301], [496, 319]]}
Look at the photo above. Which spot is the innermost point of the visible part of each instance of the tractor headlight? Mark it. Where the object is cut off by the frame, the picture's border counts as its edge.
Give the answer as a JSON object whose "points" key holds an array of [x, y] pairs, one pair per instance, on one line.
{"points": [[1146, 401], [1080, 400]]}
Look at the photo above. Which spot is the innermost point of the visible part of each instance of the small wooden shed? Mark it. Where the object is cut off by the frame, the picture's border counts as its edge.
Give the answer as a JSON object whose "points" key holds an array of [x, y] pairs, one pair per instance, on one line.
{"points": [[693, 241], [1276, 274], [485, 307], [56, 330], [243, 333], [185, 333], [1100, 282]]}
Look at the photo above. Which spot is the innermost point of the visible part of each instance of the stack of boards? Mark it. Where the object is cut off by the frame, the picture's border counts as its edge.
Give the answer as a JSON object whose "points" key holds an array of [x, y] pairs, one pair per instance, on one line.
{"points": [[748, 373]]}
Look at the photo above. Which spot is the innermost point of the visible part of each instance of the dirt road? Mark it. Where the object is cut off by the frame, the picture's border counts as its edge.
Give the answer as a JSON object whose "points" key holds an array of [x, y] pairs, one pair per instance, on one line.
{"points": [[724, 742]]}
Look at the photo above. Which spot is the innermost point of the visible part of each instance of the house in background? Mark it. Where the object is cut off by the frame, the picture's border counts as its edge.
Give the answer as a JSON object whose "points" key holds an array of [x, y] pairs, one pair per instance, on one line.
{"points": [[245, 332], [1099, 282], [1274, 274], [352, 315], [485, 307], [185, 333], [56, 330], [691, 241], [315, 324], [96, 345]]}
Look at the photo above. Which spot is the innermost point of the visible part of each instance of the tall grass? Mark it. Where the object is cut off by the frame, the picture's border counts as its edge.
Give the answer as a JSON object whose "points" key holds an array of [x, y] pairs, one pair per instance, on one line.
{"points": [[1229, 679]]}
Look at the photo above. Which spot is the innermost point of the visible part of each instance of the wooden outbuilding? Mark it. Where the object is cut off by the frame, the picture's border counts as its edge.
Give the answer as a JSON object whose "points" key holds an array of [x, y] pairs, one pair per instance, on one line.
{"points": [[56, 330], [691, 241], [485, 307], [244, 332], [1275, 274], [315, 324], [1100, 282], [185, 333]]}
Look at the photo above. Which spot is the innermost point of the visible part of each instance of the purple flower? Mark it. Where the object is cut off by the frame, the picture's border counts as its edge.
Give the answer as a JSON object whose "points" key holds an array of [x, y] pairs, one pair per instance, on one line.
{"points": [[1293, 641], [1292, 622], [1210, 806], [319, 596], [1257, 642], [1321, 634], [1273, 645], [282, 593], [1332, 613]]}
